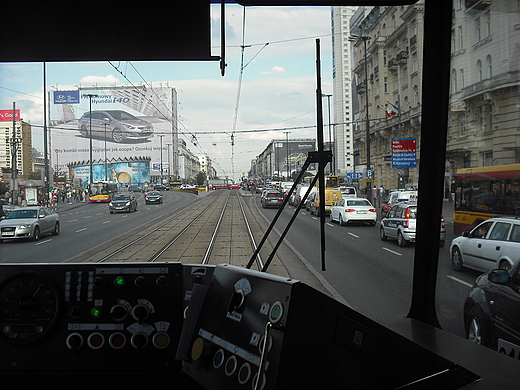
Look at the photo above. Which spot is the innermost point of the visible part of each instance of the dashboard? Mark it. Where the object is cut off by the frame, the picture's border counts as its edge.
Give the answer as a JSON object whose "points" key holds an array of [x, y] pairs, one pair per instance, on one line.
{"points": [[193, 326]]}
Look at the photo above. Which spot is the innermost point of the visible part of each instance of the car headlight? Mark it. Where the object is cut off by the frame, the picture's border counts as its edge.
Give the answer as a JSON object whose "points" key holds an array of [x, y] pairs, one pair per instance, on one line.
{"points": [[128, 126], [127, 204], [24, 226]]}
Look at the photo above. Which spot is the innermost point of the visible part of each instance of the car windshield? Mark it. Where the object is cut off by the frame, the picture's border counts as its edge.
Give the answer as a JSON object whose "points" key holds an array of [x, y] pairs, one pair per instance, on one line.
{"points": [[122, 197], [22, 214], [153, 193]]}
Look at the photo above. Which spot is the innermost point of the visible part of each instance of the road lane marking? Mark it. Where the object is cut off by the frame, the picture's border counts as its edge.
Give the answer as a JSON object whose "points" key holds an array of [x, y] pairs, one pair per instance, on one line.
{"points": [[460, 281], [328, 223], [353, 235], [81, 230], [44, 242], [106, 222], [391, 251], [73, 220]]}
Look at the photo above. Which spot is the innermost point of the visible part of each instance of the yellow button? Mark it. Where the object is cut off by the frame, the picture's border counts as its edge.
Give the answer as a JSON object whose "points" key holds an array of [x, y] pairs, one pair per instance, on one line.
{"points": [[197, 349]]}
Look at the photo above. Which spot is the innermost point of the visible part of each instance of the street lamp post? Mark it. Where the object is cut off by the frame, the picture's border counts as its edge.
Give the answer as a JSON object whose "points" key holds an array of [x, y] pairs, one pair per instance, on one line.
{"points": [[161, 136], [90, 96], [332, 146], [357, 38], [287, 151]]}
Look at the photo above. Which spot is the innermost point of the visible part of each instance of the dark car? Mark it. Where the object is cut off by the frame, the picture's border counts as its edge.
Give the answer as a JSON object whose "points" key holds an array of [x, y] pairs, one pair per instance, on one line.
{"points": [[161, 187], [115, 125], [134, 188], [123, 202], [272, 199], [153, 197], [492, 311]]}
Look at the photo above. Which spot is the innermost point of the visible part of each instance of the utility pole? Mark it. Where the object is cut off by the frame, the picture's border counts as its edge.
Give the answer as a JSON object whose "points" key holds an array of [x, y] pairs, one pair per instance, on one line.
{"points": [[14, 155], [90, 96]]}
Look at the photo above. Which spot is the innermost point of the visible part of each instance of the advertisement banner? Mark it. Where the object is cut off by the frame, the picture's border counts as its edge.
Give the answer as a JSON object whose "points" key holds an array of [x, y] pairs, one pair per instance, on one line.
{"points": [[121, 123], [123, 173], [7, 115]]}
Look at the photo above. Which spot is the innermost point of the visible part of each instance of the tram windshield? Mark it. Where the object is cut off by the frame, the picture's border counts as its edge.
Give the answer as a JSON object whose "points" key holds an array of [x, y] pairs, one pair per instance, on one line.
{"points": [[245, 125]]}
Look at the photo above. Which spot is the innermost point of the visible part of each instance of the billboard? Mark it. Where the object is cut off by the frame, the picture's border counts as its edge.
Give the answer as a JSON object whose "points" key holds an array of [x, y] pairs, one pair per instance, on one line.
{"points": [[124, 173], [7, 115], [291, 154], [120, 123]]}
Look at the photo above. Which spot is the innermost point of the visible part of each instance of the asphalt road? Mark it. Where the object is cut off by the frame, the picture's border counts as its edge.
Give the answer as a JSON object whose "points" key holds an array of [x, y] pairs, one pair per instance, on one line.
{"points": [[374, 276], [84, 226]]}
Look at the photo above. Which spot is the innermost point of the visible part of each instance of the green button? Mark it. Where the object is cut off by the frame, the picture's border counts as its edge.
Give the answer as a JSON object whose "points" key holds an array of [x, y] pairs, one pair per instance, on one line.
{"points": [[119, 281]]}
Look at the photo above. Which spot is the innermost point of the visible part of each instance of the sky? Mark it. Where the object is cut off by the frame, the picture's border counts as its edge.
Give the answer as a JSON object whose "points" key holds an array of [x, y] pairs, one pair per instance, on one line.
{"points": [[277, 92]]}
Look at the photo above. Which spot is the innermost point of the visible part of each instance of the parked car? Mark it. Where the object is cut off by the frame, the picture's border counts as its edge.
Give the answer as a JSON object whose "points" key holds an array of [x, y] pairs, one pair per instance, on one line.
{"points": [[331, 198], [492, 311], [400, 224], [272, 199], [7, 207], [349, 210], [29, 222], [396, 197], [494, 243], [123, 201], [153, 197], [116, 125]]}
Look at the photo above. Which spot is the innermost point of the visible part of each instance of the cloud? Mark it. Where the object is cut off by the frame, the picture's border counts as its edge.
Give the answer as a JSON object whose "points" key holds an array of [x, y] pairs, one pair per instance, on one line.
{"points": [[275, 70], [99, 80]]}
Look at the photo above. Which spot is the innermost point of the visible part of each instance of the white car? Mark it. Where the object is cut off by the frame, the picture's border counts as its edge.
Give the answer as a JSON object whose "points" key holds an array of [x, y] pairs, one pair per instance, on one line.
{"points": [[495, 243], [349, 210]]}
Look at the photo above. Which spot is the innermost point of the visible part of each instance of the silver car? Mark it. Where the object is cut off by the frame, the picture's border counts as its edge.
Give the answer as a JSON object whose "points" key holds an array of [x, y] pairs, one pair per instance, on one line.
{"points": [[116, 125], [29, 222]]}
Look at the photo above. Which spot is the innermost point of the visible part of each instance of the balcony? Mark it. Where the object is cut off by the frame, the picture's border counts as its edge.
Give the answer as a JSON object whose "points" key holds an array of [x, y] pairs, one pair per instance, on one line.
{"points": [[392, 64], [402, 57], [477, 5]]}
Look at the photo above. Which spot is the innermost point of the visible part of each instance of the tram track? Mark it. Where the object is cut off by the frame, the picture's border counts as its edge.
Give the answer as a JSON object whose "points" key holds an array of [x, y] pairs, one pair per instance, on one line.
{"points": [[214, 229]]}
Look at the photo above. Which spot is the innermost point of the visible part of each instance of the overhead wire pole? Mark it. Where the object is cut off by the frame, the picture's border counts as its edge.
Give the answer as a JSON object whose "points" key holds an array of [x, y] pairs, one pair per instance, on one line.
{"points": [[321, 154]]}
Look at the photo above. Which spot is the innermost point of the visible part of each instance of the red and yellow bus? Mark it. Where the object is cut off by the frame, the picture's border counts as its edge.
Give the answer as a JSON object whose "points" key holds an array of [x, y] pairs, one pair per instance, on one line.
{"points": [[102, 191], [486, 192]]}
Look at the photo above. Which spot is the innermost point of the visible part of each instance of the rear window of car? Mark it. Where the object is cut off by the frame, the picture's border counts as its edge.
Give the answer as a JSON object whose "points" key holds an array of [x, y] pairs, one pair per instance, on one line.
{"points": [[515, 234], [274, 193], [358, 203]]}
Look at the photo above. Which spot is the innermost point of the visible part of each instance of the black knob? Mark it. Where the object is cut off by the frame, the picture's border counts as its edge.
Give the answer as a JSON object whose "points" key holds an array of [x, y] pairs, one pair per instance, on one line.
{"points": [[139, 340], [140, 281], [140, 312]]}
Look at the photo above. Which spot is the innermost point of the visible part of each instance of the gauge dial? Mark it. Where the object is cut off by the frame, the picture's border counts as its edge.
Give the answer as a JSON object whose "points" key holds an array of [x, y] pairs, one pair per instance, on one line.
{"points": [[28, 307]]}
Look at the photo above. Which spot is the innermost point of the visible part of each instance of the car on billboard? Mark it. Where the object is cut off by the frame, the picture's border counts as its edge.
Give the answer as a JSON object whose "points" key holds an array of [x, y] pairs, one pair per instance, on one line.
{"points": [[115, 125]]}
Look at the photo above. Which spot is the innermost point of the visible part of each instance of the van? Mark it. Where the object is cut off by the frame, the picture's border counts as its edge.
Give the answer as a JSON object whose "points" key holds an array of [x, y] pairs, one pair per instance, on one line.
{"points": [[298, 196], [331, 198], [348, 192], [395, 197]]}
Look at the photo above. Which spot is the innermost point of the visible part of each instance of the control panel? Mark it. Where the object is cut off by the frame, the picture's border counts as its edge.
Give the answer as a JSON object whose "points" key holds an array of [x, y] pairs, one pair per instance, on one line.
{"points": [[259, 331], [117, 317]]}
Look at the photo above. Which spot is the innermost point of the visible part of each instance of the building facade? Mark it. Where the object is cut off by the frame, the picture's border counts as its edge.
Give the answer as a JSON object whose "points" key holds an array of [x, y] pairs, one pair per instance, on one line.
{"points": [[22, 147], [485, 86], [387, 51], [343, 108]]}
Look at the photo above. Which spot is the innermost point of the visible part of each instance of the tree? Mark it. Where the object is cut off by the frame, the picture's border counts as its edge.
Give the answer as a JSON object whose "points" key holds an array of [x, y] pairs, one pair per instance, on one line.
{"points": [[200, 178]]}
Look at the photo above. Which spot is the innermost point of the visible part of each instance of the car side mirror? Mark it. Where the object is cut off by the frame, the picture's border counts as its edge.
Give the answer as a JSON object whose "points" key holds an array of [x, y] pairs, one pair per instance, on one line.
{"points": [[465, 234], [499, 276]]}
